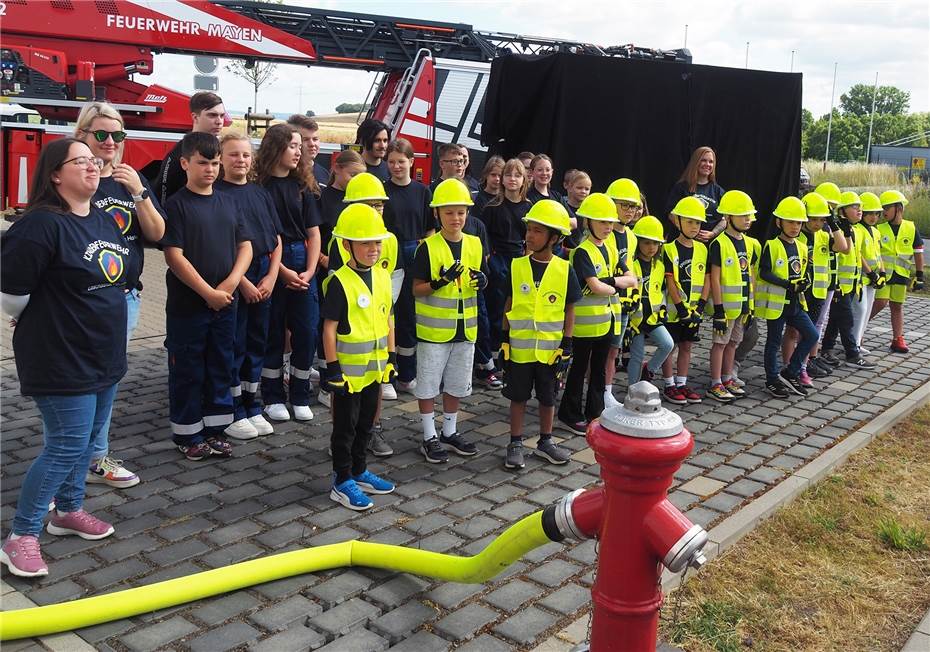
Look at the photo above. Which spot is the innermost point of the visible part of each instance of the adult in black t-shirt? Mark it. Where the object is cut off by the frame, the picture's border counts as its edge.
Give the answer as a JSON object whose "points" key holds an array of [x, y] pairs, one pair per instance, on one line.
{"points": [[64, 268], [373, 135], [541, 180], [699, 180]]}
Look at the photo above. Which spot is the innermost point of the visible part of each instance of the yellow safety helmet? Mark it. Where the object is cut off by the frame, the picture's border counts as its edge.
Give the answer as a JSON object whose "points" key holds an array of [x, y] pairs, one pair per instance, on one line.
{"points": [[829, 191], [791, 209], [598, 206], [550, 213], [870, 202], [625, 190], [816, 205], [848, 198], [736, 202], [649, 227], [692, 208], [360, 223], [364, 187], [890, 197], [451, 192]]}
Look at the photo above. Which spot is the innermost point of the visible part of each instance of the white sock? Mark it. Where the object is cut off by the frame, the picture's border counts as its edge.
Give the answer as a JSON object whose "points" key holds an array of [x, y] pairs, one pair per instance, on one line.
{"points": [[14, 537], [489, 365], [681, 381], [429, 426], [670, 381], [714, 381], [726, 377], [449, 422]]}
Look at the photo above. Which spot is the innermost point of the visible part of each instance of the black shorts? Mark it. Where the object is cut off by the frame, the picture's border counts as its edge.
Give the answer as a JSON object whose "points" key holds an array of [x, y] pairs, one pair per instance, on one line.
{"points": [[680, 333], [523, 377]]}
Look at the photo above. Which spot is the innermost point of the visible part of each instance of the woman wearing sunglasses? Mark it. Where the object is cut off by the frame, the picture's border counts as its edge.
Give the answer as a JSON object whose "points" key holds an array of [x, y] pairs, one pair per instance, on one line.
{"points": [[125, 195]]}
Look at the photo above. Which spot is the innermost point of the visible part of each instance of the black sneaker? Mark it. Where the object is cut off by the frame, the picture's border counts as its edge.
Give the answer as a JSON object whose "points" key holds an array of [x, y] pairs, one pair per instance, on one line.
{"points": [[816, 370], [433, 451], [777, 389], [377, 445], [514, 456], [830, 359], [793, 385], [458, 443], [860, 363], [578, 428]]}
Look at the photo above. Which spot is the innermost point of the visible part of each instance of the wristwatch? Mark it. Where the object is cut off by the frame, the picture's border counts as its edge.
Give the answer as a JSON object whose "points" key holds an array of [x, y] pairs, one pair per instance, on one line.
{"points": [[141, 196]]}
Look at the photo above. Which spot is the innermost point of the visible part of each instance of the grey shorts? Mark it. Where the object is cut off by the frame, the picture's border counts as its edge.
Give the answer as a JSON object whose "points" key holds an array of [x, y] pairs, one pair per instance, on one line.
{"points": [[446, 367], [734, 332]]}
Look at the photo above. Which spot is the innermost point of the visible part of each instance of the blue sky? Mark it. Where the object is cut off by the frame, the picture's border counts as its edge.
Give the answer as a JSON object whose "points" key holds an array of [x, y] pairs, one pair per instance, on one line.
{"points": [[863, 37]]}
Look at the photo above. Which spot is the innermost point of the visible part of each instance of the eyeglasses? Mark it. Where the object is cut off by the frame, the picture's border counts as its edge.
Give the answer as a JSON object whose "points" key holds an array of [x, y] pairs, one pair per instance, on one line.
{"points": [[627, 206], [84, 161], [453, 161], [101, 135]]}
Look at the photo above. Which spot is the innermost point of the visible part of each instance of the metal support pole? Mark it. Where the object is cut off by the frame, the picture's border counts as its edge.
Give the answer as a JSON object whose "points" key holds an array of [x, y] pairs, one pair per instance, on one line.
{"points": [[868, 147], [826, 155]]}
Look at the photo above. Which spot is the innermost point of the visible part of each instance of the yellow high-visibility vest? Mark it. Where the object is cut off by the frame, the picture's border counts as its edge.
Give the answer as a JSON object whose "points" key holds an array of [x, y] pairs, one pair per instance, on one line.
{"points": [[819, 260], [593, 313], [362, 352], [537, 315], [698, 271], [437, 314], [731, 277], [654, 292], [898, 252], [771, 299]]}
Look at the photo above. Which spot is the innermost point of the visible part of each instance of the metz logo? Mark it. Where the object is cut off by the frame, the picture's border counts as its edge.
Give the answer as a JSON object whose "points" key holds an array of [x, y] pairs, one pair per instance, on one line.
{"points": [[157, 99]]}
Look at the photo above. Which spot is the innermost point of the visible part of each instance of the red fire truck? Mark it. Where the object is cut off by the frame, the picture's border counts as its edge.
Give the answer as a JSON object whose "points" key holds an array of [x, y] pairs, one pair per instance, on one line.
{"points": [[58, 54]]}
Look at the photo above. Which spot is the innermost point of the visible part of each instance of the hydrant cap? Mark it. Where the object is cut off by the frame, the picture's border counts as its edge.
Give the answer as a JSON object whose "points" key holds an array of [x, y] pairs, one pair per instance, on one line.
{"points": [[642, 415]]}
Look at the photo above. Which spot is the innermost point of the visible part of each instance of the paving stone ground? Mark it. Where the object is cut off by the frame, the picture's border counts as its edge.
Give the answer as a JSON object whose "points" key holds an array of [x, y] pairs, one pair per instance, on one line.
{"points": [[272, 496]]}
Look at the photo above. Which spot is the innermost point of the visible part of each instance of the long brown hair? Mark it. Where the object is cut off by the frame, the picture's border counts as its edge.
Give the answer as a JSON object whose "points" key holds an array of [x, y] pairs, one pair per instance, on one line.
{"points": [[690, 174], [489, 165], [346, 158], [43, 193], [276, 140], [512, 164]]}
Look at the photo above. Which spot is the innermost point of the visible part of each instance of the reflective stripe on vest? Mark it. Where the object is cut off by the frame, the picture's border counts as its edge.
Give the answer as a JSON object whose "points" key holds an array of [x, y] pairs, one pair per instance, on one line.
{"points": [[698, 271], [819, 261], [869, 252], [437, 314], [656, 297], [849, 267], [898, 252], [771, 299], [731, 277], [593, 314], [537, 315], [362, 352]]}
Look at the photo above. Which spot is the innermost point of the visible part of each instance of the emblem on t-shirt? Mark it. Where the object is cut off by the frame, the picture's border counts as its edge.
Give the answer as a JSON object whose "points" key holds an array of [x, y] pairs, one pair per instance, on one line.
{"points": [[121, 215], [795, 266], [111, 263]]}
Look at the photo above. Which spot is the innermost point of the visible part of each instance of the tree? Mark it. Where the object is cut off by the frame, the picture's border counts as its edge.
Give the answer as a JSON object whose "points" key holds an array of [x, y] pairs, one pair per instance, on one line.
{"points": [[347, 107], [257, 73], [889, 100], [310, 114]]}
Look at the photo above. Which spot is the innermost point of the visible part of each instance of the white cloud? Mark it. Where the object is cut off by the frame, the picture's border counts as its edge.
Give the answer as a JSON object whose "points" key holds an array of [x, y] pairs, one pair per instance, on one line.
{"points": [[863, 37]]}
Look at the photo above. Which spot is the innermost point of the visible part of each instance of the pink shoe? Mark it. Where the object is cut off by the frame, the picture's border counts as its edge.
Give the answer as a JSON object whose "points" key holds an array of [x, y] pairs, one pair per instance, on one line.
{"points": [[80, 523], [23, 557], [806, 380]]}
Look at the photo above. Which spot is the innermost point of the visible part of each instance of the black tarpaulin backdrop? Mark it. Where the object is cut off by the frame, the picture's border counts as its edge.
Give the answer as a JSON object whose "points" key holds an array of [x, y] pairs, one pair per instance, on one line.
{"points": [[642, 119]]}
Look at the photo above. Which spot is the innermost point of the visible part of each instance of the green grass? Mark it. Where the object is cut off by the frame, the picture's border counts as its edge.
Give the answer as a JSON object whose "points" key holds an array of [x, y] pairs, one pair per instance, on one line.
{"points": [[901, 537], [715, 624]]}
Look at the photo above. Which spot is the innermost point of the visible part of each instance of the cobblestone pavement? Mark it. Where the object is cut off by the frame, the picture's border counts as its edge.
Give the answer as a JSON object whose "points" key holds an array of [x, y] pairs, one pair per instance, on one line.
{"points": [[272, 496]]}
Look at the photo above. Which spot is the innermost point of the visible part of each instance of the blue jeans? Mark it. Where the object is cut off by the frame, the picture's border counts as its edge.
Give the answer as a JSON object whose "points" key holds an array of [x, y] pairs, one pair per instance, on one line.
{"points": [[299, 312], [70, 423], [405, 325], [496, 297], [251, 337], [793, 316], [483, 343], [664, 345]]}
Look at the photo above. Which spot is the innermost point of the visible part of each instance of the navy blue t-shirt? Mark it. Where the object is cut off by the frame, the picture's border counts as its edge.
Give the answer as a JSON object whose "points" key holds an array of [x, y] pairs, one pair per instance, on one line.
{"points": [[506, 228], [331, 206], [208, 228], [113, 198], [321, 174], [408, 215], [258, 213], [533, 195], [380, 170], [298, 208], [71, 337]]}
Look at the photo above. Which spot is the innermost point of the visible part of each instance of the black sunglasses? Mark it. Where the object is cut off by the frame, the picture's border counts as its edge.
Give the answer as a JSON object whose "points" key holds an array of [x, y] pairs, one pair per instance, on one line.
{"points": [[101, 135]]}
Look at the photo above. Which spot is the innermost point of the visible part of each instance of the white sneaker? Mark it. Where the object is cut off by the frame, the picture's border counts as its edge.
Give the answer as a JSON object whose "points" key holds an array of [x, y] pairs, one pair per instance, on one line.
{"points": [[261, 426], [314, 376], [739, 381], [388, 393], [864, 351], [609, 400], [324, 398], [302, 412], [277, 412], [407, 387], [242, 429]]}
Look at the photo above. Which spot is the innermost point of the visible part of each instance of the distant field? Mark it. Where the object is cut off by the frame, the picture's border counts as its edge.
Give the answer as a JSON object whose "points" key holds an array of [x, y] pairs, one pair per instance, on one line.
{"points": [[334, 128]]}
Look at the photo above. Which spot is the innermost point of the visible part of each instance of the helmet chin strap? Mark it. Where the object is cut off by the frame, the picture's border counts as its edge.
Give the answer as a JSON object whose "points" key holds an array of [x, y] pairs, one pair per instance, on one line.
{"points": [[355, 260], [737, 229]]}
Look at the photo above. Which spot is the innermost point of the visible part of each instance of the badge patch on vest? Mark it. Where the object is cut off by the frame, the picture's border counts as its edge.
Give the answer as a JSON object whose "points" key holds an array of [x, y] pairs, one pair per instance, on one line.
{"points": [[779, 262], [525, 288], [823, 249], [551, 298], [728, 262], [364, 301], [597, 268]]}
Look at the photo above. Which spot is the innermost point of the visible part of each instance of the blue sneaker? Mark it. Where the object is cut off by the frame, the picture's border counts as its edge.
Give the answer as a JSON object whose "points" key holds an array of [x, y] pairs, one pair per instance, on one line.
{"points": [[349, 495], [373, 484]]}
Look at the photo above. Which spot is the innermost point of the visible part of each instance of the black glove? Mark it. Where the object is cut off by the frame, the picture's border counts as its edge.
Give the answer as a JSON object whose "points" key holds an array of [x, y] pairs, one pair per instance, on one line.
{"points": [[390, 369], [846, 228], [564, 358], [872, 276], [334, 381], [448, 276], [801, 285], [919, 280], [684, 313], [881, 281], [832, 223], [699, 308], [720, 320], [479, 279]]}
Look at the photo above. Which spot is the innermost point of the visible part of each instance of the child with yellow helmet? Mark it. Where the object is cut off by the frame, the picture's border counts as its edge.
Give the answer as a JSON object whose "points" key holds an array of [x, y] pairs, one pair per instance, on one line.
{"points": [[873, 269]]}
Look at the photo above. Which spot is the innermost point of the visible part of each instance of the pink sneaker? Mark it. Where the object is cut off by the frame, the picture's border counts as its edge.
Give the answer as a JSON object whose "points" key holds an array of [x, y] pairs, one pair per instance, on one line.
{"points": [[23, 557], [806, 380], [80, 523]]}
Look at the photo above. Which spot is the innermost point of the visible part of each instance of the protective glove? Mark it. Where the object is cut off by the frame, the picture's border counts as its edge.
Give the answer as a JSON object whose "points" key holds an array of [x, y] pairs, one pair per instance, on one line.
{"points": [[846, 227], [919, 281], [872, 276], [334, 381], [390, 369], [832, 223], [882, 280], [720, 320], [448, 276], [699, 308], [478, 280], [801, 285], [505, 347], [562, 356], [694, 320], [684, 312], [661, 314]]}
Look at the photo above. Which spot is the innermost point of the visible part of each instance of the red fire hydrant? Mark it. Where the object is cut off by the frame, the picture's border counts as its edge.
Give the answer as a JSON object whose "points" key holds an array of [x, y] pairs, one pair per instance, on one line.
{"points": [[639, 446]]}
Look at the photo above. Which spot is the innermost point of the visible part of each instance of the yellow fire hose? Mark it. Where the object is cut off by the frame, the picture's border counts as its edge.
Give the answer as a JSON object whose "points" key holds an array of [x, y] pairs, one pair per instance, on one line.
{"points": [[512, 544]]}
